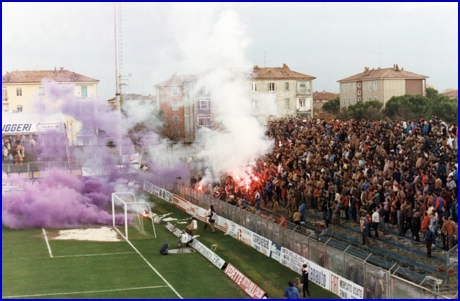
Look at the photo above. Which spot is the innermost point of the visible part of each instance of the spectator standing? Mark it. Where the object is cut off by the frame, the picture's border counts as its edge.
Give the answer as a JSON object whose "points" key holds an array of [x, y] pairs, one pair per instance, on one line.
{"points": [[365, 230], [375, 222], [291, 291], [305, 280]]}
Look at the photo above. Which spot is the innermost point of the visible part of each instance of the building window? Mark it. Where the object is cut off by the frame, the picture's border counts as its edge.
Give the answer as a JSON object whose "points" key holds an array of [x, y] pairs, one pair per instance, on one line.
{"points": [[254, 87], [344, 87], [175, 120], [370, 98], [359, 92], [376, 98], [254, 103], [204, 121], [354, 87], [18, 91], [286, 103], [19, 108], [175, 106], [4, 94], [203, 104], [359, 98], [84, 91], [375, 86], [354, 100], [369, 86], [364, 86], [271, 87], [176, 135], [359, 85], [286, 86], [175, 91], [5, 107], [348, 100], [302, 102], [41, 91]]}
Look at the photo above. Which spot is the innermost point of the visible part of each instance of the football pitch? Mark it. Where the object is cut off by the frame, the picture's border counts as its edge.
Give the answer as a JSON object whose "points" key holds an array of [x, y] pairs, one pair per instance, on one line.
{"points": [[35, 264]]}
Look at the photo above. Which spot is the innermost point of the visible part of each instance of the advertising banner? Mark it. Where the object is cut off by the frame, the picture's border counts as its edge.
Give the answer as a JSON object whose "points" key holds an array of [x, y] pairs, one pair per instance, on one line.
{"points": [[173, 229], [244, 282], [345, 288], [275, 251], [240, 233], [222, 224], [206, 252], [180, 202], [317, 274], [261, 244]]}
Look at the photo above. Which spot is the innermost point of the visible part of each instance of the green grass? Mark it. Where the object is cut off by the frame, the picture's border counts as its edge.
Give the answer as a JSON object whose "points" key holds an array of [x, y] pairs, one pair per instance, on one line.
{"points": [[28, 270]]}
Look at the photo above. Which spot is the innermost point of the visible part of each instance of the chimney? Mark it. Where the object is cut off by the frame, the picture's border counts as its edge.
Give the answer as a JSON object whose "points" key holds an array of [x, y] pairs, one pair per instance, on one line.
{"points": [[62, 68], [402, 69], [285, 66]]}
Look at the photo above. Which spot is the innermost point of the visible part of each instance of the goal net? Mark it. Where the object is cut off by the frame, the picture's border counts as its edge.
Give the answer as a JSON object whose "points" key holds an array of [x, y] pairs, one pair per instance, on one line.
{"points": [[133, 213]]}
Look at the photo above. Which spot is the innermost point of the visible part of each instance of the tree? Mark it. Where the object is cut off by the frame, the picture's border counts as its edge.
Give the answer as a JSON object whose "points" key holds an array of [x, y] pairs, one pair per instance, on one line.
{"points": [[366, 110], [332, 105], [409, 106]]}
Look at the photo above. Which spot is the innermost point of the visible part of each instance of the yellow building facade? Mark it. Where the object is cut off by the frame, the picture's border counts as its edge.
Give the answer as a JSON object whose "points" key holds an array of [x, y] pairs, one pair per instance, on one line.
{"points": [[44, 91]]}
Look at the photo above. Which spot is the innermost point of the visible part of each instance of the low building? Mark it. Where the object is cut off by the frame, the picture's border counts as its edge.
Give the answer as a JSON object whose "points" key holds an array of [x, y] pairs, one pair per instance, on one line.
{"points": [[320, 98], [451, 94], [380, 84]]}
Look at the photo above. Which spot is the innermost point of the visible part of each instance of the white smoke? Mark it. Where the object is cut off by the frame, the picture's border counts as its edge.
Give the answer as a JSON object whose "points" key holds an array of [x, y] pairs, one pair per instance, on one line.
{"points": [[213, 44]]}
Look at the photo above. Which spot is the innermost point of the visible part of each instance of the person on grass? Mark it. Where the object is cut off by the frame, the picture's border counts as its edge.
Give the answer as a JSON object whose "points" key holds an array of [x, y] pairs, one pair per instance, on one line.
{"points": [[291, 291]]}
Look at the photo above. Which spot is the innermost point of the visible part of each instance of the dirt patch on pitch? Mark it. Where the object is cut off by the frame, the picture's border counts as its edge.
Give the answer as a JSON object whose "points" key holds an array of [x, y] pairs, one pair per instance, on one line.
{"points": [[89, 234]]}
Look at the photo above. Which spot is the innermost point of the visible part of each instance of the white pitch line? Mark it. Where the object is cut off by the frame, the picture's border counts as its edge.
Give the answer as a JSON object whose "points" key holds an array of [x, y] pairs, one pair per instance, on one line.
{"points": [[86, 292], [170, 286], [46, 239], [102, 254]]}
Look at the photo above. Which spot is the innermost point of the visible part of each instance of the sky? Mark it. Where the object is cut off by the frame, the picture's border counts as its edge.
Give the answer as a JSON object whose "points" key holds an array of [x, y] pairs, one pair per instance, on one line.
{"points": [[329, 41]]}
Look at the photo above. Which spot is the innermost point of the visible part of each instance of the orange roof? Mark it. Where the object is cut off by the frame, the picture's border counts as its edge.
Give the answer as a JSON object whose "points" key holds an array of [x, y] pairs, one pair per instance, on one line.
{"points": [[37, 76], [384, 73], [324, 95], [451, 94], [279, 73]]}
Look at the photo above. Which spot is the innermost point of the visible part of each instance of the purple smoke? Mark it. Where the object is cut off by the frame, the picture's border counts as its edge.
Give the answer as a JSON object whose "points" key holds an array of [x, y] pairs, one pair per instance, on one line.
{"points": [[59, 201]]}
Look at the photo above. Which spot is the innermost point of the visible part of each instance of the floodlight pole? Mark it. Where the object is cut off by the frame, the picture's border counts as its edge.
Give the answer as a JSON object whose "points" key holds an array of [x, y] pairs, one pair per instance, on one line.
{"points": [[117, 76]]}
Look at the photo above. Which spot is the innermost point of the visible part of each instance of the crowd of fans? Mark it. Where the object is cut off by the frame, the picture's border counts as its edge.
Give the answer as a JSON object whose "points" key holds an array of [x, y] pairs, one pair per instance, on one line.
{"points": [[375, 174], [14, 147]]}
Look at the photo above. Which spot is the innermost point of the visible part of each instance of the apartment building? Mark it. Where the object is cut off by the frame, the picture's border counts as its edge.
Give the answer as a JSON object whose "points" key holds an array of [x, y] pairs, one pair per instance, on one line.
{"points": [[380, 84]]}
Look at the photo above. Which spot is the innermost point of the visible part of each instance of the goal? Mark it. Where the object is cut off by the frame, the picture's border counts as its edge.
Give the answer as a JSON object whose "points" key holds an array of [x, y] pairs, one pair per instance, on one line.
{"points": [[133, 213]]}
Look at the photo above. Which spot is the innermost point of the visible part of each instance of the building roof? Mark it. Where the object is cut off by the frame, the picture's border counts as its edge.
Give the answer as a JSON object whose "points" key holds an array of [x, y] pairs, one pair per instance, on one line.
{"points": [[383, 73], [279, 73], [324, 95], [36, 76], [451, 94], [176, 80]]}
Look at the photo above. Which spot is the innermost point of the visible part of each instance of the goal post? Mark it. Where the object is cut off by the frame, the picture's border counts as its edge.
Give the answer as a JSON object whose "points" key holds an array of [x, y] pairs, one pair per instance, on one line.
{"points": [[128, 202]]}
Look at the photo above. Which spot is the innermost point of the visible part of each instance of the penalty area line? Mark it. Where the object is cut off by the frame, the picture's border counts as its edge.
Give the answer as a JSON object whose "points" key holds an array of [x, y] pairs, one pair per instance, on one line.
{"points": [[47, 243], [101, 254], [86, 292]]}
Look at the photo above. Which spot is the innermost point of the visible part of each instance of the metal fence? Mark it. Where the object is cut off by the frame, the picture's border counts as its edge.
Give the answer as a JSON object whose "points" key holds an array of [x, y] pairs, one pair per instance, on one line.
{"points": [[307, 244], [33, 166]]}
